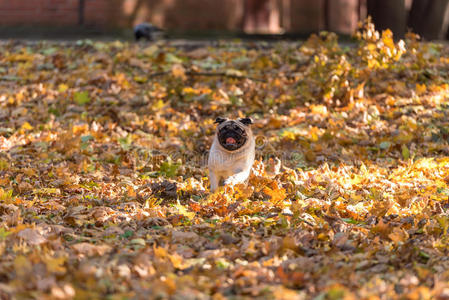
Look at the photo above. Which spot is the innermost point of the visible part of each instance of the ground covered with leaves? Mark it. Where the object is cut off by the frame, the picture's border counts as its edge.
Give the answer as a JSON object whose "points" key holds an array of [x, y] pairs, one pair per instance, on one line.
{"points": [[104, 190]]}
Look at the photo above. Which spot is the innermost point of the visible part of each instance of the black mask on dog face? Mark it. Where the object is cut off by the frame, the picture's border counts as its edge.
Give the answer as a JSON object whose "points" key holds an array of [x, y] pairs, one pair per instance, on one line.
{"points": [[232, 135]]}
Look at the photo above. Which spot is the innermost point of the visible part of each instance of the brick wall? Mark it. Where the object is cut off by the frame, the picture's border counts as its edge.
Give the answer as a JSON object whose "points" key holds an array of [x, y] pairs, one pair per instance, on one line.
{"points": [[103, 13], [32, 12], [183, 14], [304, 16]]}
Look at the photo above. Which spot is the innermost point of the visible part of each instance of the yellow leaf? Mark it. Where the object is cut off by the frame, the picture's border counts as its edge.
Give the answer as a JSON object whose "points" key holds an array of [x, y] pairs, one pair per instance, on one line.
{"points": [[131, 192], [403, 137], [178, 71], [410, 123], [390, 100], [355, 180], [4, 165], [47, 191], [26, 126], [158, 104], [80, 129], [183, 211], [63, 87], [322, 237], [29, 172], [160, 252], [140, 79], [405, 152], [178, 261], [277, 194], [55, 264], [420, 89], [6, 196], [150, 51], [25, 57], [314, 134], [233, 72], [319, 110], [19, 228], [288, 134], [398, 235]]}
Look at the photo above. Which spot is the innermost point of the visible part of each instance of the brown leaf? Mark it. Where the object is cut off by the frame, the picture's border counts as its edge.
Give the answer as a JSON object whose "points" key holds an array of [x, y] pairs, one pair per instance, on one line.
{"points": [[91, 249], [31, 236]]}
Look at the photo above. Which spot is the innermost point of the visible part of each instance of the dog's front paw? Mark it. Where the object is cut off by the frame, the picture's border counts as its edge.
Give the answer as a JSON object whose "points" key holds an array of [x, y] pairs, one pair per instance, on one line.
{"points": [[239, 177], [229, 181]]}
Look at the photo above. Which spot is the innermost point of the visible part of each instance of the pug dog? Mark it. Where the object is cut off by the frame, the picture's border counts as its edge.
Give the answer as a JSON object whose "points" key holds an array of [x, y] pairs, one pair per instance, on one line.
{"points": [[232, 153]]}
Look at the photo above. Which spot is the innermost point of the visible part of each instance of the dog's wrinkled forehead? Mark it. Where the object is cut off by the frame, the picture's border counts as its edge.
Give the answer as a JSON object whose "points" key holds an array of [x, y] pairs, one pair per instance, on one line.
{"points": [[223, 122], [230, 124]]}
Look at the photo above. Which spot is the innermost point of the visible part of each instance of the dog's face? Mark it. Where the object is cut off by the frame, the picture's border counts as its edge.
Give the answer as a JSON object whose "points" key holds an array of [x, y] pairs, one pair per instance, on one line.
{"points": [[233, 134]]}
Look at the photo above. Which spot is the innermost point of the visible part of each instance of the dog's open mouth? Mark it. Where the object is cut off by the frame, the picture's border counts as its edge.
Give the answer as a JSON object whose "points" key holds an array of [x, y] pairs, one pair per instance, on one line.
{"points": [[231, 141]]}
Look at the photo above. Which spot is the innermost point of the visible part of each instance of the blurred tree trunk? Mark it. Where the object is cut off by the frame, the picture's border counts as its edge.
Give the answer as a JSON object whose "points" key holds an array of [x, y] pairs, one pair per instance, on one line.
{"points": [[338, 8], [389, 14], [427, 17], [286, 15], [81, 6], [261, 16]]}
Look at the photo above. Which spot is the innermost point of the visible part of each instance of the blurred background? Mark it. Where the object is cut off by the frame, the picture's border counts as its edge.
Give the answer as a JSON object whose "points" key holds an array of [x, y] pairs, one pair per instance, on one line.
{"points": [[183, 18]]}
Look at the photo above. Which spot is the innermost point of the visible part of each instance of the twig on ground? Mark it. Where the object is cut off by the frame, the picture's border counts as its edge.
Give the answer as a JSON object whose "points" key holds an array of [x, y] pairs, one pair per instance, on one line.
{"points": [[209, 74]]}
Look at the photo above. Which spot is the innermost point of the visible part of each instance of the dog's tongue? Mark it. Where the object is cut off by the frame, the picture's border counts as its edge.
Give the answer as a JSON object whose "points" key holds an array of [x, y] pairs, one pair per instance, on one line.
{"points": [[230, 140]]}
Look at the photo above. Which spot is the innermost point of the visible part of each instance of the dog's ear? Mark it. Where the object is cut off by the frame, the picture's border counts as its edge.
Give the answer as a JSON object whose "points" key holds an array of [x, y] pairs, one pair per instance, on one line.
{"points": [[219, 120], [246, 121]]}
